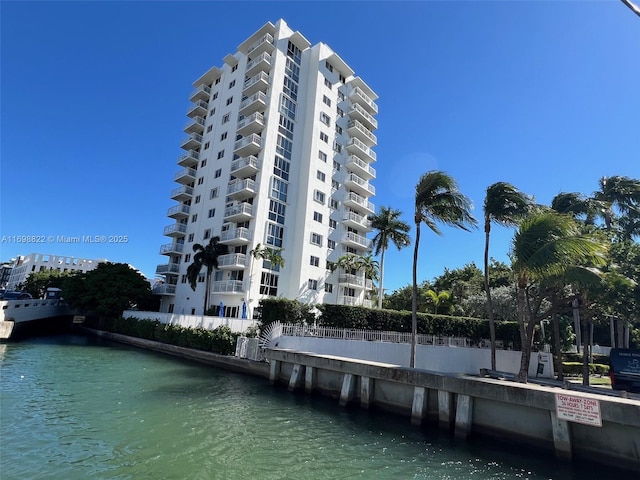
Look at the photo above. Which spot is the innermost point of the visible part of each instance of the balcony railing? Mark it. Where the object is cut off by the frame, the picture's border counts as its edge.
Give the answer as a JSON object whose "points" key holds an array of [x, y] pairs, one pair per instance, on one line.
{"points": [[248, 145], [164, 289], [189, 159], [357, 111], [191, 141], [240, 234], [359, 220], [251, 124], [362, 147], [357, 239], [186, 175], [241, 209], [198, 108], [182, 193], [196, 124], [179, 228], [178, 211], [244, 167], [356, 128], [363, 167], [253, 103], [255, 83], [227, 286], [363, 98], [200, 93], [350, 279], [261, 61], [168, 268], [360, 201], [232, 260], [362, 184], [173, 247], [265, 39], [238, 186]]}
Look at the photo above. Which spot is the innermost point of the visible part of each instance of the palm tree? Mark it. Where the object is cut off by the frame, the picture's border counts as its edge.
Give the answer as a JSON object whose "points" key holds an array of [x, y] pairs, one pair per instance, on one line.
{"points": [[205, 256], [438, 299], [547, 245], [577, 205], [437, 200], [621, 193], [271, 255], [390, 229], [504, 204]]}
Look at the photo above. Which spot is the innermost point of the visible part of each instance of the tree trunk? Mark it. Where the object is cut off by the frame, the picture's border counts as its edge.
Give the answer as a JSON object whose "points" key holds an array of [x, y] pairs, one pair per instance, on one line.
{"points": [[492, 324], [585, 353], [414, 299], [557, 348], [524, 341], [576, 323], [381, 289]]}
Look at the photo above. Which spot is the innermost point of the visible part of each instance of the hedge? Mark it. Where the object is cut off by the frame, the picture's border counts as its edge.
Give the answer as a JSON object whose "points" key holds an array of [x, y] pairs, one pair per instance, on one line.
{"points": [[575, 368]]}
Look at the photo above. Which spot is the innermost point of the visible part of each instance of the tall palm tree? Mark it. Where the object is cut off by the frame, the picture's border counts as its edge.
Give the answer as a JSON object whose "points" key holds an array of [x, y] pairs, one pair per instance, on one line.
{"points": [[577, 205], [619, 193], [504, 205], [390, 229], [547, 245], [437, 200], [205, 256], [271, 255]]}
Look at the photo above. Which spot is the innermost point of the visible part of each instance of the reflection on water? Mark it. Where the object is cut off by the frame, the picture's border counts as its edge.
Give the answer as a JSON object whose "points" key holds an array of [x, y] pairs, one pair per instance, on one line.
{"points": [[78, 408]]}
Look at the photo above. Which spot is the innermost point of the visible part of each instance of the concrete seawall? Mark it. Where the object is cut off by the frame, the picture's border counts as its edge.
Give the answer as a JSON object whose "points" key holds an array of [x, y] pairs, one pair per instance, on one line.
{"points": [[468, 406]]}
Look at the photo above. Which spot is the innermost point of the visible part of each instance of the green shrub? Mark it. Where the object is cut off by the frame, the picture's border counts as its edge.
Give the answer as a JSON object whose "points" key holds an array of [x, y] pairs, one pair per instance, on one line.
{"points": [[575, 368]]}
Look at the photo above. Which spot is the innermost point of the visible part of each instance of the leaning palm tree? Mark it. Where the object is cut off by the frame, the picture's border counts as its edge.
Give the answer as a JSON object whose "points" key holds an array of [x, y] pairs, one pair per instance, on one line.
{"points": [[437, 200], [390, 229], [205, 256], [618, 193], [504, 205], [547, 245]]}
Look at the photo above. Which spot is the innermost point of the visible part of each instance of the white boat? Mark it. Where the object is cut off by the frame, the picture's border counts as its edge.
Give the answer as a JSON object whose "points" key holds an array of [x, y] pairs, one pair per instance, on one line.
{"points": [[33, 316]]}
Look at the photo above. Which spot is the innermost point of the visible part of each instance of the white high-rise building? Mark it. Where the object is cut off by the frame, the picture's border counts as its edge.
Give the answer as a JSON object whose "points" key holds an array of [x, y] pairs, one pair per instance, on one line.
{"points": [[278, 152]]}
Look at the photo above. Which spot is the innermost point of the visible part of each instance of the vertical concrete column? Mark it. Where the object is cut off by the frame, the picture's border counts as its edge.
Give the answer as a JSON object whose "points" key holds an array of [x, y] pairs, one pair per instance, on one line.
{"points": [[561, 437], [419, 405], [366, 391], [464, 415], [296, 377], [274, 371], [346, 394], [310, 379], [445, 408]]}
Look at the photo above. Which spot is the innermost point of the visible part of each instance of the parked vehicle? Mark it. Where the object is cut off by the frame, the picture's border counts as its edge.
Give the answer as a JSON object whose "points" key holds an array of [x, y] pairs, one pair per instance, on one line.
{"points": [[624, 369], [11, 295]]}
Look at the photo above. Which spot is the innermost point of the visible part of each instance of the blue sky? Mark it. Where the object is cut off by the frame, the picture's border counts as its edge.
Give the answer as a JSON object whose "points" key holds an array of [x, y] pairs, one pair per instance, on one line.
{"points": [[545, 95]]}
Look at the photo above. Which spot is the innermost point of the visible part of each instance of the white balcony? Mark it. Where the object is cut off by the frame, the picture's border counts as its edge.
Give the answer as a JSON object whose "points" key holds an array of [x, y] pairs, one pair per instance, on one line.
{"points": [[254, 123], [195, 125], [260, 63], [199, 108], [354, 220], [254, 103], [358, 112], [201, 92], [245, 167], [357, 129], [168, 269], [182, 193], [178, 211], [257, 83], [343, 300], [232, 261], [247, 146], [228, 286], [241, 189], [175, 230], [358, 147], [164, 289], [354, 200], [189, 159], [359, 185], [357, 95], [240, 212], [185, 176], [263, 44], [360, 167], [236, 236], [193, 140], [172, 248], [354, 240], [351, 280]]}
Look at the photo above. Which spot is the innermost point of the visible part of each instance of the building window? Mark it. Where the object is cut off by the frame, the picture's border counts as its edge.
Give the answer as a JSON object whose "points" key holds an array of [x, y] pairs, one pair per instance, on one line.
{"points": [[269, 284], [223, 136], [281, 168], [232, 84], [226, 118], [200, 180], [217, 81], [316, 239], [321, 176], [333, 223], [328, 287], [327, 83], [340, 112], [183, 279], [212, 112], [197, 199], [190, 237], [317, 217], [187, 258], [214, 96], [335, 185], [341, 96], [333, 203], [319, 196], [212, 212], [220, 154], [349, 292], [328, 66], [336, 166], [331, 244], [234, 68], [218, 173], [201, 278], [209, 128], [206, 145], [194, 218], [229, 100], [314, 261], [207, 234], [324, 118], [313, 284], [338, 130], [341, 78], [203, 163], [279, 189], [274, 234], [326, 100], [324, 137], [322, 156], [213, 193], [337, 147], [277, 211]]}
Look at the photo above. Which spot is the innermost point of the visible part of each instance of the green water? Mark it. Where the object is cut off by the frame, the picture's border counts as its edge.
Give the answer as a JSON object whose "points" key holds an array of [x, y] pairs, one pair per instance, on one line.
{"points": [[79, 408]]}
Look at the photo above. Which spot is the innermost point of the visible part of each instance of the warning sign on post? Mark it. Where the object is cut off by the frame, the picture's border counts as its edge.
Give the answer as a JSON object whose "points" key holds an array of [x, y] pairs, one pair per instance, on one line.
{"points": [[578, 409]]}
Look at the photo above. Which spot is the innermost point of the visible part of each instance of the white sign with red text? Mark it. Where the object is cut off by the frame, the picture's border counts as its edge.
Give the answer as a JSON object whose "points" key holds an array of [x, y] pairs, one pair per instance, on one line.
{"points": [[578, 409]]}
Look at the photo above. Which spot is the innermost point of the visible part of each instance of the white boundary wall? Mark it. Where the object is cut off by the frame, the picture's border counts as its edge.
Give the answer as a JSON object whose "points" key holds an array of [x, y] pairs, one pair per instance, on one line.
{"points": [[442, 359], [193, 321]]}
